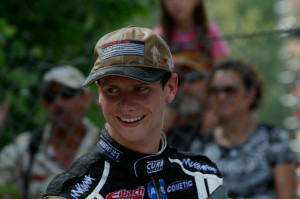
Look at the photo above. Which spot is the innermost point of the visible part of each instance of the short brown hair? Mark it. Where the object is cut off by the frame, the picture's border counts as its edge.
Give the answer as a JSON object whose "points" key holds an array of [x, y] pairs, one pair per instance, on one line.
{"points": [[249, 75]]}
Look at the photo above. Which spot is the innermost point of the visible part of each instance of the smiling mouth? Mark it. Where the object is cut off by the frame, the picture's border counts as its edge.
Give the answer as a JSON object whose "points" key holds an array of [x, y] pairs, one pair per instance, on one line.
{"points": [[131, 120]]}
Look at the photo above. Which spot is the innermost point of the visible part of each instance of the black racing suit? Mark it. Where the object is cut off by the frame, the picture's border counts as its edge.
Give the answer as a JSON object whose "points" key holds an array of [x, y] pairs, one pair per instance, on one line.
{"points": [[111, 171]]}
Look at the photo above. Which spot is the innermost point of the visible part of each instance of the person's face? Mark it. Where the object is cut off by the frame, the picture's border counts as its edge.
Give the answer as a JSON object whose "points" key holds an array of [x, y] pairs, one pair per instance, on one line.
{"points": [[134, 109], [229, 96], [181, 10], [63, 105], [193, 84]]}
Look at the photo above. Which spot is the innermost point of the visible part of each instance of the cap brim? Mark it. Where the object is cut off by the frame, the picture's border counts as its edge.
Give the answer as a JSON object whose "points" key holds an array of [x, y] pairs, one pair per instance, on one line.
{"points": [[144, 74]]}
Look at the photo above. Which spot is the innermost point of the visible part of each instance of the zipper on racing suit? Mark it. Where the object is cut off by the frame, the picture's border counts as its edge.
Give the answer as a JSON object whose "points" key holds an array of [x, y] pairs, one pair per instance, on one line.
{"points": [[159, 189]]}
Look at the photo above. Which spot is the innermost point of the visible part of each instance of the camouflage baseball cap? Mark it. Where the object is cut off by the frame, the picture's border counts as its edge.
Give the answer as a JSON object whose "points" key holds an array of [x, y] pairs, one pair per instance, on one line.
{"points": [[133, 52]]}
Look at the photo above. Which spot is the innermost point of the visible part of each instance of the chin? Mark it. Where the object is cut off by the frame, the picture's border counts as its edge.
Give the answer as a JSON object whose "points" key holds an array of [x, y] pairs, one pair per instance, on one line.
{"points": [[133, 137], [225, 115]]}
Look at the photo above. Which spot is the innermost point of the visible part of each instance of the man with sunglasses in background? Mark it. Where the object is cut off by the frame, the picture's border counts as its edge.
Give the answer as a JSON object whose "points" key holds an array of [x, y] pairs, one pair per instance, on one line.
{"points": [[187, 119], [34, 158]]}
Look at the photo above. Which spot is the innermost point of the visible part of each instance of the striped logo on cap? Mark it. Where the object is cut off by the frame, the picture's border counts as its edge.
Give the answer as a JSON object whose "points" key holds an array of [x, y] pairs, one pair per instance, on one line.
{"points": [[123, 48]]}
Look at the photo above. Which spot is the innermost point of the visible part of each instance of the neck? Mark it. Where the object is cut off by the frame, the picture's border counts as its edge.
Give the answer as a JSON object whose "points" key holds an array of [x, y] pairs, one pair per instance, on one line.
{"points": [[65, 142], [236, 131], [238, 124], [148, 145], [144, 147], [62, 132], [185, 25]]}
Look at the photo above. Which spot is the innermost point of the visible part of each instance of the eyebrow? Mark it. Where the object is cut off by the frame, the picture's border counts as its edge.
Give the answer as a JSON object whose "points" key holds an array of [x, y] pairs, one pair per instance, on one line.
{"points": [[138, 83]]}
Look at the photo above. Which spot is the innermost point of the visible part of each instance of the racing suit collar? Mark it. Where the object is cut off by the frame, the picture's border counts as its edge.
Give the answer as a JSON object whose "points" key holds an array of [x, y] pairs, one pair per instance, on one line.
{"points": [[143, 165]]}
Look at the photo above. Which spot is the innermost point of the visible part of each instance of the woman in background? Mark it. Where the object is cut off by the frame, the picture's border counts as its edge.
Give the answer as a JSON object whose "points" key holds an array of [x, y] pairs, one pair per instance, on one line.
{"points": [[255, 158], [186, 29]]}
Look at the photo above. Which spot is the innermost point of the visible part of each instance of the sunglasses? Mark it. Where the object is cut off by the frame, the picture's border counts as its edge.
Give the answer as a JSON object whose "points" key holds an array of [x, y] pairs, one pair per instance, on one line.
{"points": [[65, 92], [228, 90], [191, 77]]}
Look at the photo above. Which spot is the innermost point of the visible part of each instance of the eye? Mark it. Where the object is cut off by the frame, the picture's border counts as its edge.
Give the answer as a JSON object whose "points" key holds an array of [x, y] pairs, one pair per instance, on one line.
{"points": [[112, 90], [140, 88]]}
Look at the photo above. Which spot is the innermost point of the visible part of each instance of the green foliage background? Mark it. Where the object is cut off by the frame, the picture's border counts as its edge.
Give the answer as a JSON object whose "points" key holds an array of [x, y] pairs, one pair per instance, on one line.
{"points": [[37, 35]]}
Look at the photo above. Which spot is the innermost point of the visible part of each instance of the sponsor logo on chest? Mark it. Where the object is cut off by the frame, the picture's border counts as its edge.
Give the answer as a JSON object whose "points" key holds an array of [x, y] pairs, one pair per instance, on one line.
{"points": [[127, 194], [180, 185], [195, 165], [109, 150], [155, 166], [82, 188], [154, 190]]}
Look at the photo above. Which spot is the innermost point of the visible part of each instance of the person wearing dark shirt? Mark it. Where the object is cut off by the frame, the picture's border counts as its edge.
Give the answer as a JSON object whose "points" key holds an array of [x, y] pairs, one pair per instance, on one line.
{"points": [[254, 157]]}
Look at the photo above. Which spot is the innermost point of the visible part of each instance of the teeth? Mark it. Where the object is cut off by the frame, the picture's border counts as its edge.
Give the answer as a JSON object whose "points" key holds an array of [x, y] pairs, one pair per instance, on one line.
{"points": [[131, 120]]}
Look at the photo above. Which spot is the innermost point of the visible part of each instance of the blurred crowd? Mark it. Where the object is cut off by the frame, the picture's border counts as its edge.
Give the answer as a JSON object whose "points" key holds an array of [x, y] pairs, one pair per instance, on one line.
{"points": [[33, 158], [212, 115]]}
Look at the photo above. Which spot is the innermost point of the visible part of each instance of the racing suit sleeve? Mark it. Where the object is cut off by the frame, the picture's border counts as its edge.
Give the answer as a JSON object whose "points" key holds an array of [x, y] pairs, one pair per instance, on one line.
{"points": [[219, 193]]}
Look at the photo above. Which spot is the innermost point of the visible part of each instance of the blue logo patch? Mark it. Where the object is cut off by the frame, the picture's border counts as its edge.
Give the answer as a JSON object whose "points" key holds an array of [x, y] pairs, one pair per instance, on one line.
{"points": [[152, 192]]}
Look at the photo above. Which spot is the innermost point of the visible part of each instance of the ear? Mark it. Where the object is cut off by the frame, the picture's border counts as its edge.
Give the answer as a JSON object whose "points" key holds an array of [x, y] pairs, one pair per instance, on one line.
{"points": [[99, 92], [251, 96], [171, 88]]}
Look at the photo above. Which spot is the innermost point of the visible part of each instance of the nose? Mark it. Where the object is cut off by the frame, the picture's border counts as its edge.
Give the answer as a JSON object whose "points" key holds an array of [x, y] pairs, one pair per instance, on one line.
{"points": [[186, 85], [60, 101], [221, 96], [127, 102]]}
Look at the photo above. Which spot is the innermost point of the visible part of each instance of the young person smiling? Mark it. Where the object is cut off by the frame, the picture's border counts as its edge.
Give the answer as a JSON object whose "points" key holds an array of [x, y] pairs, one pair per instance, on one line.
{"points": [[133, 70]]}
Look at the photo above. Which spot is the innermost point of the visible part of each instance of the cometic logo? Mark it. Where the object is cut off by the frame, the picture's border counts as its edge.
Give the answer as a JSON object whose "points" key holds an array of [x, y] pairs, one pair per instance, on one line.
{"points": [[127, 194], [179, 186], [155, 166]]}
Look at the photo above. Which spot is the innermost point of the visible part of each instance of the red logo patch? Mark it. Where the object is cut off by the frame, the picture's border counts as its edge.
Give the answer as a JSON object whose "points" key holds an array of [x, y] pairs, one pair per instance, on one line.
{"points": [[164, 60], [127, 194]]}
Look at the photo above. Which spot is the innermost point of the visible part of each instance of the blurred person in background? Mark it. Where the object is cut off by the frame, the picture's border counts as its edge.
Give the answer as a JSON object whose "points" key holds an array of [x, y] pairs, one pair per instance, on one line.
{"points": [[188, 119], [186, 29], [29, 163], [254, 157], [196, 45]]}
